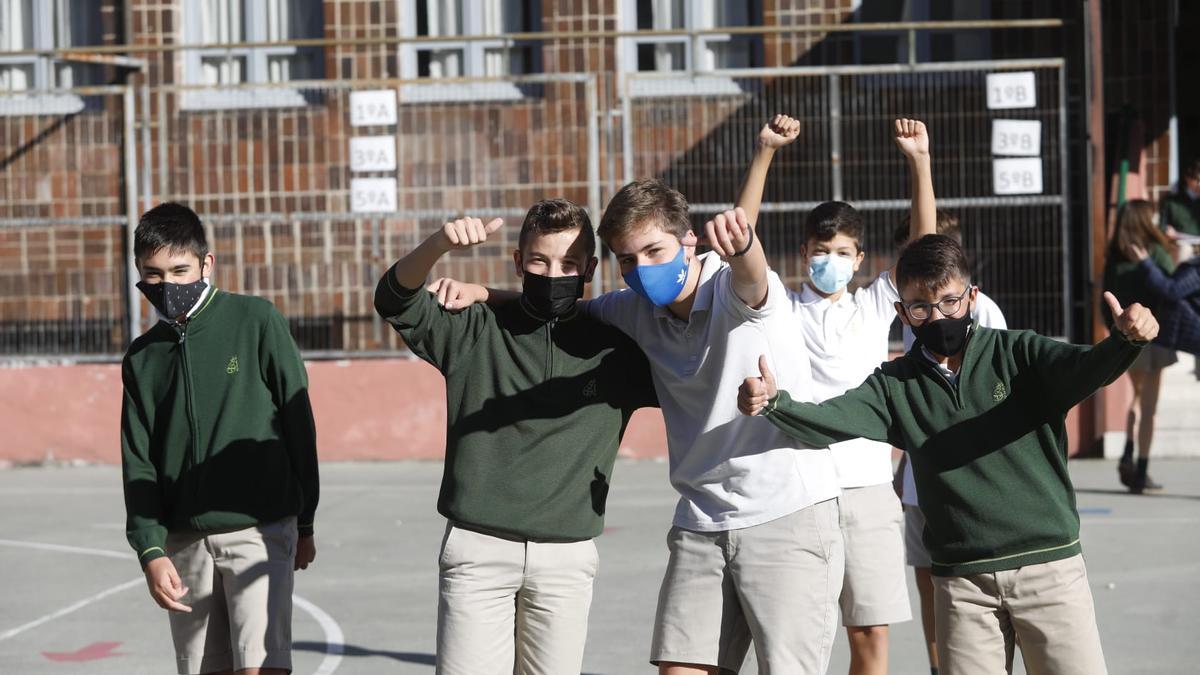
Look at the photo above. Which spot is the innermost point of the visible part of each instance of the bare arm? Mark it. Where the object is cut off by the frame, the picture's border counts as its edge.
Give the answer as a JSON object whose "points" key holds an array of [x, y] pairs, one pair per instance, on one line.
{"points": [[778, 132], [913, 141]]}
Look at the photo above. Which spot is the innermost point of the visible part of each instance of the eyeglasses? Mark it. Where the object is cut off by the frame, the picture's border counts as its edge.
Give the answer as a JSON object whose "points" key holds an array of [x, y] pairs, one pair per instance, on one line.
{"points": [[946, 306]]}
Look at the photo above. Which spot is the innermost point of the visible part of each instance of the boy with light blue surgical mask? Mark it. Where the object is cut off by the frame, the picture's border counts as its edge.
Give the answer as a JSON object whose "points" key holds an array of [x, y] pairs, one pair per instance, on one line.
{"points": [[846, 336]]}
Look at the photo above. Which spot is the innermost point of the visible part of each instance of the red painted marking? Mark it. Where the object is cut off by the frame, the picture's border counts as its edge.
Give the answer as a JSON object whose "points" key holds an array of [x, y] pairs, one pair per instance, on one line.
{"points": [[92, 652]]}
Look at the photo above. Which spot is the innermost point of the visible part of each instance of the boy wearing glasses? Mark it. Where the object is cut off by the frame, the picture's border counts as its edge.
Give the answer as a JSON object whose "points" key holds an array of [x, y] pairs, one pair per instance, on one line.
{"points": [[846, 334], [981, 413]]}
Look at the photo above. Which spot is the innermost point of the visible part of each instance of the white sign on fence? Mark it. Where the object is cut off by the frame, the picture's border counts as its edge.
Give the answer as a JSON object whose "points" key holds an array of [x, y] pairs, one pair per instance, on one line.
{"points": [[373, 153], [1011, 90], [1021, 138], [1017, 176], [377, 106], [372, 195]]}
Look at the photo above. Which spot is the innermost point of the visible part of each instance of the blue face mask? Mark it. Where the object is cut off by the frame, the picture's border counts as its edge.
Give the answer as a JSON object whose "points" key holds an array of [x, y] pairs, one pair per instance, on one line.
{"points": [[830, 273], [660, 284]]}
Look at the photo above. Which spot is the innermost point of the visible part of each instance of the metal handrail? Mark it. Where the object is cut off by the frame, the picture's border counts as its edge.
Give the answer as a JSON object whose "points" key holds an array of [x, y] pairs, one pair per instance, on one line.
{"points": [[990, 24]]}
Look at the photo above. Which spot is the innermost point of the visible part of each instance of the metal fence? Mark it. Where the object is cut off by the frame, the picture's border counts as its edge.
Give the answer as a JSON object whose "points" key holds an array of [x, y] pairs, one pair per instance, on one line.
{"points": [[273, 183], [701, 144]]}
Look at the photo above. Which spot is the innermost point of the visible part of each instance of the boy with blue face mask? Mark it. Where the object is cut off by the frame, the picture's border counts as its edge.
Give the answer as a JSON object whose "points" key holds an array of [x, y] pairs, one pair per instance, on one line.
{"points": [[846, 336]]}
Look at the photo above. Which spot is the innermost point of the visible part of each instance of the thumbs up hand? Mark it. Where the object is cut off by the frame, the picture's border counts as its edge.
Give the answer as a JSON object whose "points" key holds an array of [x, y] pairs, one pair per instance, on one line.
{"points": [[1135, 322], [755, 392], [467, 232]]}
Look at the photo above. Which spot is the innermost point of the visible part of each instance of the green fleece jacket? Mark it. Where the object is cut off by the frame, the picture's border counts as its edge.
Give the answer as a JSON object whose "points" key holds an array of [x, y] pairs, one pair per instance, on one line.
{"points": [[535, 411], [989, 453], [216, 427]]}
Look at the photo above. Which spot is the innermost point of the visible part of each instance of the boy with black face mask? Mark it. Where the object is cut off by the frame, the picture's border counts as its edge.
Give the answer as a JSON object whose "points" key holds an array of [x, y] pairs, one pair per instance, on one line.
{"points": [[981, 413], [538, 396], [218, 455]]}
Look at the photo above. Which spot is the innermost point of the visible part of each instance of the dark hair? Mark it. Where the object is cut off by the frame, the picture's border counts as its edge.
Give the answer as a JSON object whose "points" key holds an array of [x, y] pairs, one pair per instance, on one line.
{"points": [[642, 202], [931, 262], [947, 224], [1135, 227], [831, 219], [1192, 170], [557, 215], [172, 226]]}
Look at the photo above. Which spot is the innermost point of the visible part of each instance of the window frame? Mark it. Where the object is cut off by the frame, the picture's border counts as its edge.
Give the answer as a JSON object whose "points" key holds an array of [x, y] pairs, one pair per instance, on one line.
{"points": [[232, 96], [43, 97], [695, 50], [432, 89]]}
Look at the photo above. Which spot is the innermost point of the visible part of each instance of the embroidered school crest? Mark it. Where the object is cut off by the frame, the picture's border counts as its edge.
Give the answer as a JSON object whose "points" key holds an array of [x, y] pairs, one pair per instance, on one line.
{"points": [[233, 365], [999, 392]]}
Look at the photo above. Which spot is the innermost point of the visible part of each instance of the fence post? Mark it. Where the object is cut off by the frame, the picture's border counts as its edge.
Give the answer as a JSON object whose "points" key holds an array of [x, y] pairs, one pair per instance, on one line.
{"points": [[133, 305], [593, 170], [835, 136]]}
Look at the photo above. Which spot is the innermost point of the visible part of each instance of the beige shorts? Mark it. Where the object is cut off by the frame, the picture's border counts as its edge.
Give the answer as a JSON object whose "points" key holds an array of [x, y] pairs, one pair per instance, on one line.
{"points": [[240, 591], [915, 553], [1046, 608], [874, 590], [775, 584], [510, 607]]}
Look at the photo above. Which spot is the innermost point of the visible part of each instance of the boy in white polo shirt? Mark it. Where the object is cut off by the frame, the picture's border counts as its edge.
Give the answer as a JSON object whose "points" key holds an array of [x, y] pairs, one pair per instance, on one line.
{"points": [[846, 335], [755, 550]]}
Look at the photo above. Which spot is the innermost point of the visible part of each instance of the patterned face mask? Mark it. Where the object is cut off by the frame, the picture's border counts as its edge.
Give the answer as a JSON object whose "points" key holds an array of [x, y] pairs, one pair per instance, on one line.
{"points": [[173, 300]]}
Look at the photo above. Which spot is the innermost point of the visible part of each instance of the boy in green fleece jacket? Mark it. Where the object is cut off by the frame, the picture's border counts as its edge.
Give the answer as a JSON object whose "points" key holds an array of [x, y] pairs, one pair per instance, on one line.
{"points": [[218, 456], [538, 396], [981, 413]]}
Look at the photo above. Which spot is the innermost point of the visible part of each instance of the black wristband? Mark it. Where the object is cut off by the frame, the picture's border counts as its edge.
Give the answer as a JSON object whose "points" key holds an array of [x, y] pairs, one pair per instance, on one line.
{"points": [[748, 245]]}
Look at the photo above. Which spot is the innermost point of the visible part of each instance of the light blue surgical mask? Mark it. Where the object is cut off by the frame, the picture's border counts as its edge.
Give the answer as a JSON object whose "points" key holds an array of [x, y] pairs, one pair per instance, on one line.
{"points": [[660, 284], [830, 273]]}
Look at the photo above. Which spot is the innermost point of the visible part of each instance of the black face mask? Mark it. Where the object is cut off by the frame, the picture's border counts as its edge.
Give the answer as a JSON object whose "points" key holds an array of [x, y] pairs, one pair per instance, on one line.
{"points": [[551, 297], [172, 300], [946, 337]]}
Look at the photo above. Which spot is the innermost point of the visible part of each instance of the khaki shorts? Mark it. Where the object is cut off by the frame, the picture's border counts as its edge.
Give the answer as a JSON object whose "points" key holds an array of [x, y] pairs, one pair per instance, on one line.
{"points": [[874, 590], [915, 553], [510, 607], [775, 584], [240, 591], [1046, 608]]}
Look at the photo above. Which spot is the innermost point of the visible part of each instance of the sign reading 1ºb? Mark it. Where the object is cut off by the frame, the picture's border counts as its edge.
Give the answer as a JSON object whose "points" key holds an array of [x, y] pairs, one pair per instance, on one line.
{"points": [[1011, 90]]}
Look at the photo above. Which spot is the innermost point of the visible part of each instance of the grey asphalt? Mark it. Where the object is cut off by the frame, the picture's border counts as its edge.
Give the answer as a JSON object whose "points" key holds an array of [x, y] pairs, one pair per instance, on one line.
{"points": [[71, 600]]}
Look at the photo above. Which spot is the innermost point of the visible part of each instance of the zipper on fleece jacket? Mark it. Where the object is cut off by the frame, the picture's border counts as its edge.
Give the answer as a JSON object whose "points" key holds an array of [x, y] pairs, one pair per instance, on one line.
{"points": [[190, 404]]}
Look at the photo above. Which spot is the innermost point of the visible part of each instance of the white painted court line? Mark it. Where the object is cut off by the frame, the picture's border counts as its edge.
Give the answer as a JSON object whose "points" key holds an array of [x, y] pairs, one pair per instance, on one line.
{"points": [[71, 608], [335, 640], [59, 548]]}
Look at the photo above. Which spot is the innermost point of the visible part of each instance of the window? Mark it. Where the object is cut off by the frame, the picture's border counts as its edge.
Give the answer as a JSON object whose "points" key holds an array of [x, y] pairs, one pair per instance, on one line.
{"points": [[685, 54], [892, 46], [45, 24], [453, 58], [240, 21]]}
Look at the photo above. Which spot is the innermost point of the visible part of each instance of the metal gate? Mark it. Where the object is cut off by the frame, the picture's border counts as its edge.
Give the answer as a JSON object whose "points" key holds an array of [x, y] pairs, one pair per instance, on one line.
{"points": [[701, 144]]}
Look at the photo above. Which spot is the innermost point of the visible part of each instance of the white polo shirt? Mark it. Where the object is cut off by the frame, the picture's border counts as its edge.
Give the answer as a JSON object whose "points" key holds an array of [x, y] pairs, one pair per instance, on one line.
{"points": [[988, 314], [847, 341], [731, 471]]}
